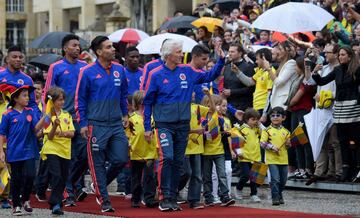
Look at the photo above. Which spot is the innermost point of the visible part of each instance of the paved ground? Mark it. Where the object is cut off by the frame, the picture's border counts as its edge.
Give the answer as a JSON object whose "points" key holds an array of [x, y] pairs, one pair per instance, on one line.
{"points": [[295, 200]]}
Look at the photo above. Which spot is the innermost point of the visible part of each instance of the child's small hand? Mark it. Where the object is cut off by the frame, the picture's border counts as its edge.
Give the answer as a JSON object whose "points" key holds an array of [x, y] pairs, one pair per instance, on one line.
{"points": [[233, 155], [2, 156], [206, 90], [288, 143], [275, 149], [56, 122]]}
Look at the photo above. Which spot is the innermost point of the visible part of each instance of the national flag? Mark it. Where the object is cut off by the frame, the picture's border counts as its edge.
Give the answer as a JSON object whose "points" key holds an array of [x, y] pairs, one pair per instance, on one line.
{"points": [[4, 178], [236, 140], [213, 128], [48, 111], [258, 172], [298, 136]]}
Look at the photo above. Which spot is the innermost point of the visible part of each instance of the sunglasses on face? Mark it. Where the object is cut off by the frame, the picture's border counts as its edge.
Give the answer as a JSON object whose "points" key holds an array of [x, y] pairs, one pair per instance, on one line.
{"points": [[275, 115]]}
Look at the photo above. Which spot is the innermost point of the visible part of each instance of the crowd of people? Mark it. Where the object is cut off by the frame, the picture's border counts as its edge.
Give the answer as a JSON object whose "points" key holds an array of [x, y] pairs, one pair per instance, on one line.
{"points": [[158, 126]]}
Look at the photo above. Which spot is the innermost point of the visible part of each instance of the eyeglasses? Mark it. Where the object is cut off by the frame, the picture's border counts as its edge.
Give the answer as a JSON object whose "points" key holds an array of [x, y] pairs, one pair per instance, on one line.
{"points": [[275, 115]]}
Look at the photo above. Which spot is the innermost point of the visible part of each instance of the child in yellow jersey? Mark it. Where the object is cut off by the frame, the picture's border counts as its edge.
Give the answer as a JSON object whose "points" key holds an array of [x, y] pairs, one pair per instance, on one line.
{"points": [[224, 128], [57, 148], [194, 149], [142, 156], [275, 140], [4, 201], [214, 153], [249, 153]]}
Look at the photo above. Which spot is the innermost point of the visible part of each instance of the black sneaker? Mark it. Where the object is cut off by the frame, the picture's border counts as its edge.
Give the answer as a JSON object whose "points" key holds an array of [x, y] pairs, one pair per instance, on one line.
{"points": [[275, 202], [81, 195], [106, 206], [165, 205], [281, 200], [209, 203], [180, 200], [16, 211], [152, 204], [227, 202], [175, 206], [196, 206], [57, 210], [41, 198], [69, 202], [27, 207], [135, 204]]}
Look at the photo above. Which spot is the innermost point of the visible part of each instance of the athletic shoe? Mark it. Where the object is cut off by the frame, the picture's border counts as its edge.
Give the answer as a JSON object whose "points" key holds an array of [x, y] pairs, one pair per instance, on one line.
{"points": [[151, 203], [209, 203], [120, 191], [180, 200], [106, 207], [135, 204], [41, 198], [175, 206], [81, 195], [27, 207], [5, 204], [275, 202], [92, 187], [281, 200], [165, 205], [255, 199], [196, 206], [17, 211], [217, 200], [238, 194], [227, 202], [69, 202], [56, 210]]}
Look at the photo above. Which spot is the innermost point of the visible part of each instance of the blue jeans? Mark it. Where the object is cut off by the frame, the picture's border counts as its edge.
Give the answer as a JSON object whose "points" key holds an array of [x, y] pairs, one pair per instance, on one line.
{"points": [[106, 143], [278, 180], [245, 168], [219, 161], [193, 164], [173, 138]]}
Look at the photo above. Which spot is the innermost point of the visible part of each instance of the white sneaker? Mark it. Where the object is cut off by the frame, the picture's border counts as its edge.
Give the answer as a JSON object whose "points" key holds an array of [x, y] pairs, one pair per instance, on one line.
{"points": [[255, 199], [238, 194], [92, 187], [217, 200]]}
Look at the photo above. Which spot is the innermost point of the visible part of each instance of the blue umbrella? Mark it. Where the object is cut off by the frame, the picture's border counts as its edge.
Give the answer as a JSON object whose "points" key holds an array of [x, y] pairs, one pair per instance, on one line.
{"points": [[53, 40], [178, 22]]}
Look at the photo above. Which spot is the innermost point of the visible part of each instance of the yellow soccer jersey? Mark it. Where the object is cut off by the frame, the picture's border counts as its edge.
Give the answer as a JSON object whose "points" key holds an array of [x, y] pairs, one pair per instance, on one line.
{"points": [[213, 144], [140, 148], [263, 85], [196, 142], [3, 108], [277, 137], [251, 149], [59, 146]]}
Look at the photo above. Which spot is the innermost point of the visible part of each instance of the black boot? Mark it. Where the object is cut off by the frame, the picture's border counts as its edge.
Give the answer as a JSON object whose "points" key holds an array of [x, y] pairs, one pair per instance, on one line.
{"points": [[345, 174]]}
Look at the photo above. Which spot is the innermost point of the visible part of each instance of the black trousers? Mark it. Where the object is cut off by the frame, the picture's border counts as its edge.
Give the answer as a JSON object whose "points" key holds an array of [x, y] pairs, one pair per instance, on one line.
{"points": [[59, 171], [143, 180], [42, 178], [21, 182]]}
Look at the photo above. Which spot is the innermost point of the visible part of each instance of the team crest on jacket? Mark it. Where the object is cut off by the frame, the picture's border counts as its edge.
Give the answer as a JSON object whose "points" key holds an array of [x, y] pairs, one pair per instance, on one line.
{"points": [[29, 118], [20, 81], [116, 74], [182, 76], [93, 139], [162, 136], [66, 121]]}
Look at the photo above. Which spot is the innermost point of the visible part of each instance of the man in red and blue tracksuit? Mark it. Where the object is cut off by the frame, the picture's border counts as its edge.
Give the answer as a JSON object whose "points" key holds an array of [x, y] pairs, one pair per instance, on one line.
{"points": [[64, 74], [146, 70], [168, 98], [132, 70], [101, 106]]}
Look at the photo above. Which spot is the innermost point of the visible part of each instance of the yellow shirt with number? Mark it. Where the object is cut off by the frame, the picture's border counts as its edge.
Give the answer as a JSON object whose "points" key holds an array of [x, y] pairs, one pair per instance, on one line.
{"points": [[263, 84], [60, 146], [213, 146], [196, 142], [140, 148], [3, 108], [277, 137], [251, 149]]}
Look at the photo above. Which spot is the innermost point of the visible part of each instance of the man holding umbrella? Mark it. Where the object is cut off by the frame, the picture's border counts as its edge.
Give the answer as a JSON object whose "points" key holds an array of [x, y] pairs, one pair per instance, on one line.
{"points": [[64, 74]]}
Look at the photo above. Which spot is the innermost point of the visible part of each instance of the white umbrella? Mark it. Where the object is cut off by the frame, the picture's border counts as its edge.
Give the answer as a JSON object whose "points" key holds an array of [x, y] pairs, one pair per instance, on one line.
{"points": [[128, 35], [293, 17], [318, 123], [153, 44]]}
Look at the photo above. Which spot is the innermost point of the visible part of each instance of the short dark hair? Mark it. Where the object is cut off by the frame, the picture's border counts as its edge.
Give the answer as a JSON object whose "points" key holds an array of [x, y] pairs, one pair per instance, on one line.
{"points": [[239, 48], [199, 50], [264, 52], [251, 113], [130, 49], [96, 43], [278, 110], [14, 48], [319, 42], [66, 39]]}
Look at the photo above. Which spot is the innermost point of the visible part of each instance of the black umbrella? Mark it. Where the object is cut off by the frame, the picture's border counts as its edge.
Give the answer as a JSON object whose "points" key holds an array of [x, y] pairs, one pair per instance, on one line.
{"points": [[43, 61], [179, 22], [226, 4], [53, 40]]}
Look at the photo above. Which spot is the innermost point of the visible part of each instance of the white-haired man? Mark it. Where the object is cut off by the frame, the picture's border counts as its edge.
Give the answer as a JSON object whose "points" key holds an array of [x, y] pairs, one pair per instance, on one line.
{"points": [[168, 97]]}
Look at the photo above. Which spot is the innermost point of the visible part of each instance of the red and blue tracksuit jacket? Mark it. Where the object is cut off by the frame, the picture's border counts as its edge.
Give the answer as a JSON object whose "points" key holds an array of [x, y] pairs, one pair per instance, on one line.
{"points": [[65, 75], [134, 79], [169, 92], [146, 71], [101, 95], [23, 79]]}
